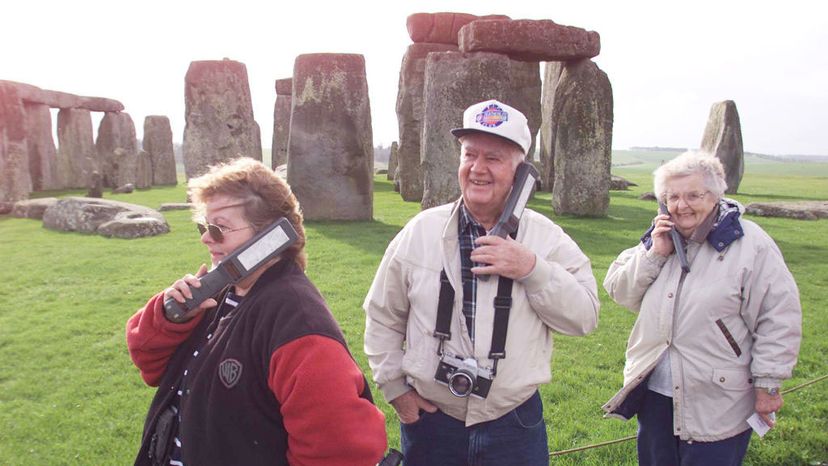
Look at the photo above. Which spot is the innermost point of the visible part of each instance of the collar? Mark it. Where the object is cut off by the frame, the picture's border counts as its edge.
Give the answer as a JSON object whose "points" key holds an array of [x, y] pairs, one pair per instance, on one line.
{"points": [[725, 229], [701, 231], [466, 220]]}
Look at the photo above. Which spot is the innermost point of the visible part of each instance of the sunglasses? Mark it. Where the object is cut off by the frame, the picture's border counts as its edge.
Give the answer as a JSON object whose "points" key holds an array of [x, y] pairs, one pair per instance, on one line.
{"points": [[216, 232]]}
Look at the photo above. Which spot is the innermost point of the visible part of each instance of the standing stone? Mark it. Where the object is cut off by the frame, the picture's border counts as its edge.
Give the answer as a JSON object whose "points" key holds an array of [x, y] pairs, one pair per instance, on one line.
{"points": [[77, 158], [440, 28], [453, 82], [143, 170], [281, 122], [95, 185], [723, 138], [552, 75], [392, 160], [582, 122], [41, 147], [410, 111], [219, 116], [525, 95], [158, 144], [15, 181], [529, 40], [117, 131], [331, 154]]}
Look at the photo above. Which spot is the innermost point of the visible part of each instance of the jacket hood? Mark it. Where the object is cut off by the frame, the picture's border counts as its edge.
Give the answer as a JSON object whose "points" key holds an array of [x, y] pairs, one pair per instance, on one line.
{"points": [[726, 230]]}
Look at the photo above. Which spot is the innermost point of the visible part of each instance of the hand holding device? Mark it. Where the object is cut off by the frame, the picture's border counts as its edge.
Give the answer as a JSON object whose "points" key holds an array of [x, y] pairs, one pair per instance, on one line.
{"points": [[245, 260], [677, 244]]}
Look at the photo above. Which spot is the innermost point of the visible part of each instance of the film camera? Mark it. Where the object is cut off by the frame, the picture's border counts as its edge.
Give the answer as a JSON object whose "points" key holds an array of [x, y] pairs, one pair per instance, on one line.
{"points": [[463, 376]]}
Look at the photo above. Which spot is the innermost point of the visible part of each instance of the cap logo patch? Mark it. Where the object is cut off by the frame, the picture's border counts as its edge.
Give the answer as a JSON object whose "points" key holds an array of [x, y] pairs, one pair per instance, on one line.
{"points": [[492, 116], [229, 372]]}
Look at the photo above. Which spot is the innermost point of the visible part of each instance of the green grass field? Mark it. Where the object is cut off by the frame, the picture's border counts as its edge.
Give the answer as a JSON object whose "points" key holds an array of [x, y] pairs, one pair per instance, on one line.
{"points": [[70, 395]]}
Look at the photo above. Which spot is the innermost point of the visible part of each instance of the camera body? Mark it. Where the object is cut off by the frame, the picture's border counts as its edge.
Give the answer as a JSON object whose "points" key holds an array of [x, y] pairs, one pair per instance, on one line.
{"points": [[463, 377]]}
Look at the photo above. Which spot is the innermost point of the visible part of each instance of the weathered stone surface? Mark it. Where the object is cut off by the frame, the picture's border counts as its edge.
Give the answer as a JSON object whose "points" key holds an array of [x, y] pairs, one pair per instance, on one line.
{"points": [[392, 161], [87, 215], [529, 40], [41, 147], [648, 196], [331, 153], [32, 208], [440, 28], [57, 99], [804, 210], [281, 122], [143, 170], [454, 81], [219, 116], [128, 227], [546, 168], [125, 189], [95, 185], [618, 183], [723, 138], [582, 120], [6, 207], [158, 143], [15, 182], [175, 206], [117, 149], [525, 95], [77, 157], [410, 111]]}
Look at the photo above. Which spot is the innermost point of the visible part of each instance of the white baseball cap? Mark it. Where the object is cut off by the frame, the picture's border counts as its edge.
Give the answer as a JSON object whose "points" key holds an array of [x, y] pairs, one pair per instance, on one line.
{"points": [[496, 118]]}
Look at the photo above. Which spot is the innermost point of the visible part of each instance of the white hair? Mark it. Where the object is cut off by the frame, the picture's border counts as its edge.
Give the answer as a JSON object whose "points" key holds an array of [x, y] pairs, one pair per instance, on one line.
{"points": [[691, 163]]}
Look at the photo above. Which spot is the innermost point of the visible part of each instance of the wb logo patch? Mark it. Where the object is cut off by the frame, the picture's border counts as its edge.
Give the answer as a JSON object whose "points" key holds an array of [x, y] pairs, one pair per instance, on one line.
{"points": [[230, 372]]}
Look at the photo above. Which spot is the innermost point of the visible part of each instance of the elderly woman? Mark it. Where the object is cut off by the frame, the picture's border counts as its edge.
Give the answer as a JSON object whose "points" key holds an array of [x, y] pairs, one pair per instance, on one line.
{"points": [[710, 346], [261, 374]]}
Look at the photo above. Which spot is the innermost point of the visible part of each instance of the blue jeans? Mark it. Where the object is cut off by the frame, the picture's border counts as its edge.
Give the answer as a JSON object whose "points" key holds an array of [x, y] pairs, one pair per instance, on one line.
{"points": [[657, 446], [517, 438]]}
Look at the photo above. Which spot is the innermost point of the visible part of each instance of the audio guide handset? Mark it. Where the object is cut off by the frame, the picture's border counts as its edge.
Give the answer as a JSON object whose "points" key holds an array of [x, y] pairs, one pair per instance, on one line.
{"points": [[245, 260]]}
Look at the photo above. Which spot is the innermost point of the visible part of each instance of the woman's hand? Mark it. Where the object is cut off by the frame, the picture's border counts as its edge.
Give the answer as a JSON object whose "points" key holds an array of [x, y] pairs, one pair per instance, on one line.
{"points": [[180, 291], [767, 404], [662, 242]]}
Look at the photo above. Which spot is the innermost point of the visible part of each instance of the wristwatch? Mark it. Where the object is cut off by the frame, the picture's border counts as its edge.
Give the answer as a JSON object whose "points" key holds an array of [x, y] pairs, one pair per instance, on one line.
{"points": [[772, 391]]}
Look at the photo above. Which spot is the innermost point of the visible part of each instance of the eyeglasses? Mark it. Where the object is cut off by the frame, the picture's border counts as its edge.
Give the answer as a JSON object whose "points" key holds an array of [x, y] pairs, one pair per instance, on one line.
{"points": [[692, 198], [217, 232]]}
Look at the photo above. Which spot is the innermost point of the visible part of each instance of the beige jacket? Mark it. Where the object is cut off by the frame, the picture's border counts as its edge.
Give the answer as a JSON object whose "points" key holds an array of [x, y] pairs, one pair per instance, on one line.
{"points": [[749, 289], [560, 294]]}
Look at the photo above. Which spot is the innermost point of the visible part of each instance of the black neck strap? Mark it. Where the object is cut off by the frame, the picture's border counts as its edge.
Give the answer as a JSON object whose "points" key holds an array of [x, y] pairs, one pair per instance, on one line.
{"points": [[502, 305]]}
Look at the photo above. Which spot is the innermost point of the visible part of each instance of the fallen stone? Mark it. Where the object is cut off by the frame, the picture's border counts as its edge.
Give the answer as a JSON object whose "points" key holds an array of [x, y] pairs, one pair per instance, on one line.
{"points": [[529, 40], [175, 206], [6, 207], [86, 215], [125, 189], [618, 183], [804, 210], [32, 208], [128, 227], [648, 196]]}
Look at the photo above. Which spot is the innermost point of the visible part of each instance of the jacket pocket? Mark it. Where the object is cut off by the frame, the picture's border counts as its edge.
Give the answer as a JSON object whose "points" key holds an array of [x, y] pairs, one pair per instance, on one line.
{"points": [[732, 379], [729, 337]]}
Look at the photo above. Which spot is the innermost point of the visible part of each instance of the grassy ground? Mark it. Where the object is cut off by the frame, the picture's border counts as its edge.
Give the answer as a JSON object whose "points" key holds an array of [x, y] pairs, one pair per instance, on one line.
{"points": [[70, 395]]}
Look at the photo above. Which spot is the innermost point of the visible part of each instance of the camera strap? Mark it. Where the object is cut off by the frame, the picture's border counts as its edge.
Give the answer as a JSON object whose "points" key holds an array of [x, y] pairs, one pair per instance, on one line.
{"points": [[502, 306]]}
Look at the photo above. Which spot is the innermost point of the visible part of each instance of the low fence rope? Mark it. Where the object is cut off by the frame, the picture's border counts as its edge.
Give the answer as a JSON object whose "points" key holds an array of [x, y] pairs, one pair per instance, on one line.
{"points": [[632, 437]]}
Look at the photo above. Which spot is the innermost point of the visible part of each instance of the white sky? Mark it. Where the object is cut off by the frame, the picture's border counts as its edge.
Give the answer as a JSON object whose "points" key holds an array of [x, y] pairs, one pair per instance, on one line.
{"points": [[667, 61]]}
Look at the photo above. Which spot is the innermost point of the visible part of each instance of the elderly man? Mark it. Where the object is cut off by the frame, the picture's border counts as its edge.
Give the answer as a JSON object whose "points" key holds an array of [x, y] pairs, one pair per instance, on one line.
{"points": [[431, 334]]}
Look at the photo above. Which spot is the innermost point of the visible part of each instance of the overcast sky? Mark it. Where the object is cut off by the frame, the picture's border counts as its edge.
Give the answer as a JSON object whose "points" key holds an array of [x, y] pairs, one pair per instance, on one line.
{"points": [[667, 61]]}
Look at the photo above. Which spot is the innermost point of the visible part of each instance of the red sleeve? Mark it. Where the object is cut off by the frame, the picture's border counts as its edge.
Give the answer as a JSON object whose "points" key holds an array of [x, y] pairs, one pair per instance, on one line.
{"points": [[318, 386], [152, 339]]}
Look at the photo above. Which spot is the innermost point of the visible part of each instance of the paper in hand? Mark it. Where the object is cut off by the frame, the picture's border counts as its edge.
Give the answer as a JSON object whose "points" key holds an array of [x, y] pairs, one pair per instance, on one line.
{"points": [[758, 425]]}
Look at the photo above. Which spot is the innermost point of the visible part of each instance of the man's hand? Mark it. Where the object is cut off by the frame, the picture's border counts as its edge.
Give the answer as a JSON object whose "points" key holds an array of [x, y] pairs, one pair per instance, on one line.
{"points": [[408, 406], [505, 257], [767, 404]]}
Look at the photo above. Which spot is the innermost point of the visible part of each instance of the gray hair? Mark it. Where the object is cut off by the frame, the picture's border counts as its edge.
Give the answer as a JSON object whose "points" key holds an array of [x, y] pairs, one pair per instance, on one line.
{"points": [[691, 163]]}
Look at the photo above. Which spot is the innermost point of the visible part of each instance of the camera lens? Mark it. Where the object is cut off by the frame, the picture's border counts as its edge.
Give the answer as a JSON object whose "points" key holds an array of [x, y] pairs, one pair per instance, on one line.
{"points": [[461, 384]]}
